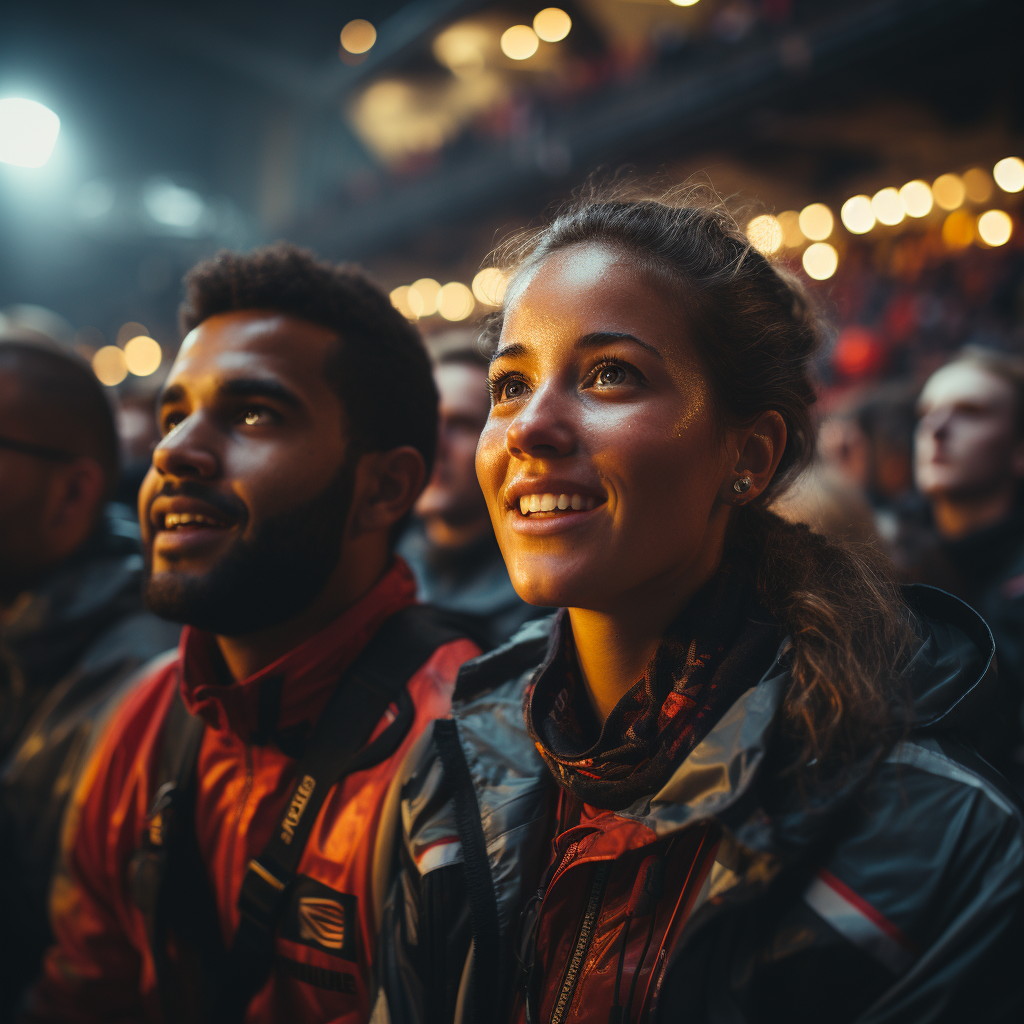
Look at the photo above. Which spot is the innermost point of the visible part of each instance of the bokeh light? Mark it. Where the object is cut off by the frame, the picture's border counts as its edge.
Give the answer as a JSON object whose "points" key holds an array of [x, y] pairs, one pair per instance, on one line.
{"points": [[552, 24], [916, 197], [427, 290], [519, 42], [765, 234], [28, 132], [958, 230], [489, 286], [407, 302], [109, 365], [1009, 174], [857, 215], [995, 227], [358, 36], [684, 3], [455, 301], [887, 206], [816, 221], [143, 356], [820, 261], [978, 185], [792, 236], [949, 191]]}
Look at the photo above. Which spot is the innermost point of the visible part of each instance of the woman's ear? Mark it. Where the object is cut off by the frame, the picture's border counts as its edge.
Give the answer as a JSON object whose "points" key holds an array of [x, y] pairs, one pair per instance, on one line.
{"points": [[387, 485], [759, 448]]}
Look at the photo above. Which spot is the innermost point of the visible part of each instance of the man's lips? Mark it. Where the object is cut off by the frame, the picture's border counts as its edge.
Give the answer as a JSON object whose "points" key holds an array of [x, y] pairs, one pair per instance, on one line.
{"points": [[173, 514]]}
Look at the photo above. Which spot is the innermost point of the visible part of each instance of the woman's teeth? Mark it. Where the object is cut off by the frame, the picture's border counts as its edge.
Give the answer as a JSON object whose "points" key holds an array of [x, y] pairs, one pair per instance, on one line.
{"points": [[550, 503]]}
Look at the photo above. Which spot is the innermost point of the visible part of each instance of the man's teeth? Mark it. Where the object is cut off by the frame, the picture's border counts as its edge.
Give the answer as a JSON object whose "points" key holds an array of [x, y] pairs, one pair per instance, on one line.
{"points": [[549, 503], [172, 520]]}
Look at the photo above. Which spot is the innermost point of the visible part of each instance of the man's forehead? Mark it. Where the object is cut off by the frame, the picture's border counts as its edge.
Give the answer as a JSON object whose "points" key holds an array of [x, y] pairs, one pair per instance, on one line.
{"points": [[964, 382], [234, 343]]}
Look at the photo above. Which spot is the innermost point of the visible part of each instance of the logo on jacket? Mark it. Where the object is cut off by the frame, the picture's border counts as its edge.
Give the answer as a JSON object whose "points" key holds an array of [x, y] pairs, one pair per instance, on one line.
{"points": [[322, 921], [322, 918], [298, 805]]}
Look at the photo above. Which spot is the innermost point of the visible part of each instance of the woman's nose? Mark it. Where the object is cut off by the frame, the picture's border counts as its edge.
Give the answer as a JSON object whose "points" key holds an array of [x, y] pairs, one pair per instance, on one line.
{"points": [[544, 427]]}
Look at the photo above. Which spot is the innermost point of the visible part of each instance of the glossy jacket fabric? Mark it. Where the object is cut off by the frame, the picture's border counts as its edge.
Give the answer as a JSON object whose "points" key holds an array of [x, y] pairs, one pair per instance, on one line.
{"points": [[69, 651], [897, 897], [101, 968]]}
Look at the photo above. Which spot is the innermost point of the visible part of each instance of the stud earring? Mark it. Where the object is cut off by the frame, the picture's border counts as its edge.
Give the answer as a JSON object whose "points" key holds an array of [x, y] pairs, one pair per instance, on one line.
{"points": [[742, 485]]}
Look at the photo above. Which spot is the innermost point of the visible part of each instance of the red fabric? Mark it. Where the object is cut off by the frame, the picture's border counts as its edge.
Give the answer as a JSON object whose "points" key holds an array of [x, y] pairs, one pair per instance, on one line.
{"points": [[101, 970], [604, 836]]}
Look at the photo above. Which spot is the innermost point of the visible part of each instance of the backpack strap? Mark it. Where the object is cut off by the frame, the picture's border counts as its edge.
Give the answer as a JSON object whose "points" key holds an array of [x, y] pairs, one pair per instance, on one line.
{"points": [[336, 747], [158, 870]]}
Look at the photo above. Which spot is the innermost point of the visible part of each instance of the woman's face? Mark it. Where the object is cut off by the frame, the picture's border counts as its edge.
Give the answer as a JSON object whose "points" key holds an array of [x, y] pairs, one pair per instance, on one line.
{"points": [[602, 462]]}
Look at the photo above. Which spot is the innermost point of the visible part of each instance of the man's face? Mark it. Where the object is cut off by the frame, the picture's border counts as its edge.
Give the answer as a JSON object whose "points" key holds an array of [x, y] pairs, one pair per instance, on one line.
{"points": [[453, 493], [966, 441], [24, 488], [244, 509]]}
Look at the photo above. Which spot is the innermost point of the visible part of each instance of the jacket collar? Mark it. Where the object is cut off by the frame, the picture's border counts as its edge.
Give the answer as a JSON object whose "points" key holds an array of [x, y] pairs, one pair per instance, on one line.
{"points": [[283, 700]]}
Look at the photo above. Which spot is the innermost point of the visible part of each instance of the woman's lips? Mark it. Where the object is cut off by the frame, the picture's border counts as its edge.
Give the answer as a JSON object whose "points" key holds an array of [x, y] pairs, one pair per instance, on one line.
{"points": [[549, 521]]}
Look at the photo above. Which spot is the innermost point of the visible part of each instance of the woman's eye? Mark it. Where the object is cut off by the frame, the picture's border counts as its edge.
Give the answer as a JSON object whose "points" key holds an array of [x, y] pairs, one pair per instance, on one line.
{"points": [[508, 389], [611, 375]]}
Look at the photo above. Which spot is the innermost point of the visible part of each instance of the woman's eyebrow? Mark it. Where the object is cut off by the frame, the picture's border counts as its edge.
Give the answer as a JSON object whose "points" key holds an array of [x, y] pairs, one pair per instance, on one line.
{"points": [[515, 349], [599, 338]]}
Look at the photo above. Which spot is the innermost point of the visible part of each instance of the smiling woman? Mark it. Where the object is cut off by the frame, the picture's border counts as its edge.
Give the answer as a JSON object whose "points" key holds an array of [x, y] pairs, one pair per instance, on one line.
{"points": [[734, 731]]}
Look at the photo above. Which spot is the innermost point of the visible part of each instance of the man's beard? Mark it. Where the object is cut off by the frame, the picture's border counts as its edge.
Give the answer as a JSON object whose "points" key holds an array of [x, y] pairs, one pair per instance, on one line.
{"points": [[264, 581]]}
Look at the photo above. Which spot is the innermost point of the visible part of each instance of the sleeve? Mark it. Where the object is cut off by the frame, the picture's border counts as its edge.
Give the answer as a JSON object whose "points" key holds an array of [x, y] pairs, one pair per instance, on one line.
{"points": [[93, 972]]}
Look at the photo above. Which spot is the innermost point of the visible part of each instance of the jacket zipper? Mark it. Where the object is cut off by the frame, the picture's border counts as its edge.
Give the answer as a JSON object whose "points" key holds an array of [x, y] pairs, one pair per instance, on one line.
{"points": [[583, 938]]}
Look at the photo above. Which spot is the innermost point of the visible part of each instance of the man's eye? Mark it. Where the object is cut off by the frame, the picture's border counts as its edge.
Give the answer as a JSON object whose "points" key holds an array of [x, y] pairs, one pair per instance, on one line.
{"points": [[170, 422], [254, 417]]}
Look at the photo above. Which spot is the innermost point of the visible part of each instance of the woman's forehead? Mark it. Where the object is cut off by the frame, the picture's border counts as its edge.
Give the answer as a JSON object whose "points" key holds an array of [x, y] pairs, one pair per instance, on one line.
{"points": [[585, 289]]}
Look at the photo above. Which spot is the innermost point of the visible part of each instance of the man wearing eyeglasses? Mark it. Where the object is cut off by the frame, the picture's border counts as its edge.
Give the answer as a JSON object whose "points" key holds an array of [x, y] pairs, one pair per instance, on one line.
{"points": [[73, 630]]}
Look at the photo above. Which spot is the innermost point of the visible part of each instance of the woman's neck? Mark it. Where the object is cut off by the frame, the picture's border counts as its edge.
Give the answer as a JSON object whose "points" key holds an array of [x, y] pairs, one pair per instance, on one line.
{"points": [[614, 648]]}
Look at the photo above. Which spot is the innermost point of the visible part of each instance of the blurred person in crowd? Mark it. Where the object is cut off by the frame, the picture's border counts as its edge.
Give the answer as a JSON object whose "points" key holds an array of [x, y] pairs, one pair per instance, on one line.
{"points": [[219, 869], [73, 629], [969, 464], [730, 778], [450, 545], [137, 432]]}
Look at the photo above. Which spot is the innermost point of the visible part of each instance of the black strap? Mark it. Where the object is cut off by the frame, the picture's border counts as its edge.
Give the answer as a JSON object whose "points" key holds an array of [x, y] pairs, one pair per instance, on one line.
{"points": [[483, 904], [336, 746]]}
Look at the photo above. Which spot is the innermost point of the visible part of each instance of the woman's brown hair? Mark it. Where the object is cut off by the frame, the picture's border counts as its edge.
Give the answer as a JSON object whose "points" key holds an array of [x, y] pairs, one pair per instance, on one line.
{"points": [[757, 333]]}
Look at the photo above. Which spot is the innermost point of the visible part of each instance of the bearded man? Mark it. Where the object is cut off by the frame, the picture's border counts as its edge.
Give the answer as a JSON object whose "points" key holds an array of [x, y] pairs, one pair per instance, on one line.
{"points": [[221, 863]]}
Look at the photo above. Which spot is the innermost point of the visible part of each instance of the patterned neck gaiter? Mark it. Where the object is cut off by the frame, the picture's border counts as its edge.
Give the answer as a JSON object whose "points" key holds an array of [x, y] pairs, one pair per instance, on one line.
{"points": [[718, 647]]}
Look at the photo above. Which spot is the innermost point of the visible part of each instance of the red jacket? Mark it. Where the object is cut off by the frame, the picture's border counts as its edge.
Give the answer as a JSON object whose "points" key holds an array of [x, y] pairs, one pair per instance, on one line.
{"points": [[100, 968]]}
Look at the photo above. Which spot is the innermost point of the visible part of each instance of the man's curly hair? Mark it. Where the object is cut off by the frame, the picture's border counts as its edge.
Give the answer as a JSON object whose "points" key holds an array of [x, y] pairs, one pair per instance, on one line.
{"points": [[380, 371]]}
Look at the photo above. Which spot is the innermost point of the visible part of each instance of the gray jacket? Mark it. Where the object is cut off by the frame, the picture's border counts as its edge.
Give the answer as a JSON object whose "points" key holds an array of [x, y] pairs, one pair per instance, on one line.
{"points": [[896, 897]]}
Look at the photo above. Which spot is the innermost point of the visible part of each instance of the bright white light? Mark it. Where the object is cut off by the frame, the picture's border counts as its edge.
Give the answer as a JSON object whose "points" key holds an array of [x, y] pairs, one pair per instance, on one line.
{"points": [[995, 227], [887, 206], [765, 234], [172, 205], [820, 261], [684, 3], [519, 42], [455, 301], [916, 197], [425, 293], [857, 215], [816, 221], [1009, 174], [489, 286], [28, 132], [552, 24]]}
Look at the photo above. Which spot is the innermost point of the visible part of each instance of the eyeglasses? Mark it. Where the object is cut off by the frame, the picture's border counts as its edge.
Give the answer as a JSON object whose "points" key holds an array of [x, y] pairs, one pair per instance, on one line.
{"points": [[40, 451]]}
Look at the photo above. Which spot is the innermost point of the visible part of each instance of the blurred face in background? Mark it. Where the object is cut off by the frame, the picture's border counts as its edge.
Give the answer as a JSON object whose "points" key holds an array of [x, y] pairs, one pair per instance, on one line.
{"points": [[602, 461], [967, 443], [452, 500]]}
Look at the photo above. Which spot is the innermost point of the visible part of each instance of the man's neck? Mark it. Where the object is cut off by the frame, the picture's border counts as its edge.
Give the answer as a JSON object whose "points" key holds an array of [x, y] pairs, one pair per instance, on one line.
{"points": [[448, 535], [958, 516], [350, 582]]}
